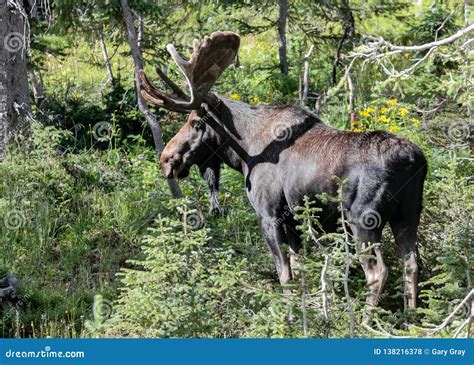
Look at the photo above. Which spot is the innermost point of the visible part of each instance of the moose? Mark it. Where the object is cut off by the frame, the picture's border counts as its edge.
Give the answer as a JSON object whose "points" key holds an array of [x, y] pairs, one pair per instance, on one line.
{"points": [[286, 153]]}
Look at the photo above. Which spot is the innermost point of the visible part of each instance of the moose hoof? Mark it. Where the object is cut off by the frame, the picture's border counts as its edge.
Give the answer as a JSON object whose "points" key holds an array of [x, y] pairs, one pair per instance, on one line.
{"points": [[216, 212]]}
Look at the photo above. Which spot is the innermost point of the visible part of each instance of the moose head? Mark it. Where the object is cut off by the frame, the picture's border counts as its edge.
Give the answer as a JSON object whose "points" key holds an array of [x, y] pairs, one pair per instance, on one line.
{"points": [[287, 153], [196, 142]]}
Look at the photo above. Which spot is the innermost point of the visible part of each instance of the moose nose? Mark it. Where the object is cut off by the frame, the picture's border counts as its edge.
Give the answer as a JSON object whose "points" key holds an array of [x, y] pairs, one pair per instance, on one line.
{"points": [[166, 158]]}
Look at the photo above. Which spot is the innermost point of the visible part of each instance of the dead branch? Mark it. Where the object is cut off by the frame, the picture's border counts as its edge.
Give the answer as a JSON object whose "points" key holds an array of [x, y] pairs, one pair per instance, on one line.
{"points": [[307, 56], [379, 41], [324, 287], [445, 21], [377, 50], [453, 313], [458, 331], [471, 320], [347, 261]]}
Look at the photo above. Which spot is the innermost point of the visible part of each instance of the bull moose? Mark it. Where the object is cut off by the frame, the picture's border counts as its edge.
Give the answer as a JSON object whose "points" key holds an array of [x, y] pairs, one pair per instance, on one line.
{"points": [[286, 153]]}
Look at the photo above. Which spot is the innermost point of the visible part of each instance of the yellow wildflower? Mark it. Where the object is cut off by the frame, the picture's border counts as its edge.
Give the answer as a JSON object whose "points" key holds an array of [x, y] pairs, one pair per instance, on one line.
{"points": [[383, 110], [393, 128], [384, 119], [255, 100], [357, 130], [403, 111], [370, 110], [364, 113], [235, 96], [415, 121], [392, 102]]}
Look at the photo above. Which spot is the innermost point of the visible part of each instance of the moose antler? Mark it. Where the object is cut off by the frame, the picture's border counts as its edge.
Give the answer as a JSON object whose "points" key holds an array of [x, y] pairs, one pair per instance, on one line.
{"points": [[177, 90], [201, 71]]}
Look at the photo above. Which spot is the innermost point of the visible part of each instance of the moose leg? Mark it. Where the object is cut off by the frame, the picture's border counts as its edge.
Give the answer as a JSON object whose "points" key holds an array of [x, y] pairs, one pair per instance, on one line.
{"points": [[372, 263], [294, 241], [405, 238], [210, 172], [274, 236]]}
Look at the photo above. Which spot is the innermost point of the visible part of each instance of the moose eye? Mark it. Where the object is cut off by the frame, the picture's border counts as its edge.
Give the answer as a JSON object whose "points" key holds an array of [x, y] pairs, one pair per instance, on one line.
{"points": [[197, 123]]}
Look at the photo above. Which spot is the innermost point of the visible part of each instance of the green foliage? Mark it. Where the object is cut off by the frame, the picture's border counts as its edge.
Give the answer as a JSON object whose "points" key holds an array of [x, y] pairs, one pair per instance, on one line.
{"points": [[447, 240], [193, 285], [201, 288], [86, 219]]}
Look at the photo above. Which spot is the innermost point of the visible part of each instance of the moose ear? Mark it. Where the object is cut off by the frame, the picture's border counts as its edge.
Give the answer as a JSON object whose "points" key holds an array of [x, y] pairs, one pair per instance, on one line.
{"points": [[197, 123]]}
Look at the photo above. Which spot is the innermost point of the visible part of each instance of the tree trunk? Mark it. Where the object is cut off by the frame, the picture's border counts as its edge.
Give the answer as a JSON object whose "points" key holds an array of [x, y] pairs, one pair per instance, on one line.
{"points": [[103, 46], [282, 36], [15, 107], [304, 96], [349, 31], [350, 86], [141, 33], [149, 116]]}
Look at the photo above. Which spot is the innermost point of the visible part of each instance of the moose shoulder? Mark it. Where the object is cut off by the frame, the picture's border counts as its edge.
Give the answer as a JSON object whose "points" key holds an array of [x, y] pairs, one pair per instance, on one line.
{"points": [[286, 153]]}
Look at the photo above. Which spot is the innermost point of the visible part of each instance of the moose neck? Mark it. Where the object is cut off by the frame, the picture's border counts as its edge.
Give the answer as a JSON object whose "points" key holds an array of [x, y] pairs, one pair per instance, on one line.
{"points": [[233, 122], [248, 135]]}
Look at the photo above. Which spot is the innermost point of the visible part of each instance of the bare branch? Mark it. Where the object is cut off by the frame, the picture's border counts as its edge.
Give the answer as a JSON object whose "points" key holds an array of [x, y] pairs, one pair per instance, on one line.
{"points": [[445, 21], [324, 287], [378, 50], [450, 317], [347, 262], [425, 46], [458, 331], [307, 56]]}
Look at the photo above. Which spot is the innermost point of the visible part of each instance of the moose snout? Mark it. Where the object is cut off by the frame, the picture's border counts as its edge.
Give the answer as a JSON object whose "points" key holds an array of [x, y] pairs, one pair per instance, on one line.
{"points": [[170, 164]]}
